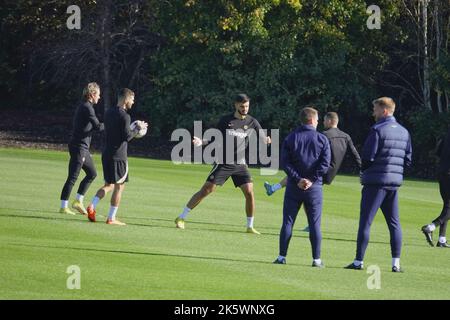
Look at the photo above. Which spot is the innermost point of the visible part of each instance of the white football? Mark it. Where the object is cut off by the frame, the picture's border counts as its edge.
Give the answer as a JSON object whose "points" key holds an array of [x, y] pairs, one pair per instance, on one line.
{"points": [[141, 132]]}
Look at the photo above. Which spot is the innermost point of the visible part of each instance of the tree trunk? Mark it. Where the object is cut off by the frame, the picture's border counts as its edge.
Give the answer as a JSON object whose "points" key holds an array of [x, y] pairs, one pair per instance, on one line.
{"points": [[105, 47], [137, 68], [447, 101], [426, 57], [445, 39], [437, 24]]}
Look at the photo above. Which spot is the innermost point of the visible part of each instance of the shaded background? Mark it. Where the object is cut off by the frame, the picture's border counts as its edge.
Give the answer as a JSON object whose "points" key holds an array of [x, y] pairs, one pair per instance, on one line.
{"points": [[185, 59]]}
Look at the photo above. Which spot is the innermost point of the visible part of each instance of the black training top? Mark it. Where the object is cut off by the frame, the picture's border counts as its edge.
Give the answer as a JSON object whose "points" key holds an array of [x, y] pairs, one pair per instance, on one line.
{"points": [[444, 155], [118, 133], [339, 142], [84, 123], [237, 131]]}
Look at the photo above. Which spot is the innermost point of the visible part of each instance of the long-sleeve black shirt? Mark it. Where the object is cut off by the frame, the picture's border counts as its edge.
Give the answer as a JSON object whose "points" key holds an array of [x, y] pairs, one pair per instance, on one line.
{"points": [[118, 133], [84, 123], [444, 155], [340, 142]]}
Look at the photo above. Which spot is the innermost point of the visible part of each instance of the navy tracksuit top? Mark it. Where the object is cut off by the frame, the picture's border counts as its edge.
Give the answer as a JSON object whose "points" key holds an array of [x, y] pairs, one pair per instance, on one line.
{"points": [[387, 150], [305, 154]]}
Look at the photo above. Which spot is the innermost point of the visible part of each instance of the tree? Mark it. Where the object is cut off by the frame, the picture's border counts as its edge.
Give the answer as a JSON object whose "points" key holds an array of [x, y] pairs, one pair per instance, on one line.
{"points": [[110, 47], [431, 34], [284, 54]]}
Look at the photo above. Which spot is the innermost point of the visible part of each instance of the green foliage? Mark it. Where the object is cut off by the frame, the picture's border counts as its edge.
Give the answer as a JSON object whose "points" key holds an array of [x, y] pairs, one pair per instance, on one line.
{"points": [[428, 129], [441, 72], [186, 59], [284, 54]]}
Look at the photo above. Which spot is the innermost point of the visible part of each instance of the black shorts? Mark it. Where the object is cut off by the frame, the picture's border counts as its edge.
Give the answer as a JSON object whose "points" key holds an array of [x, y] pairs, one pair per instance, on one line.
{"points": [[115, 171], [238, 172]]}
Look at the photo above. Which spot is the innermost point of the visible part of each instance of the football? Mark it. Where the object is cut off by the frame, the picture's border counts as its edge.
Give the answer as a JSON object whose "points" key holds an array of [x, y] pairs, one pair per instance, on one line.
{"points": [[141, 132]]}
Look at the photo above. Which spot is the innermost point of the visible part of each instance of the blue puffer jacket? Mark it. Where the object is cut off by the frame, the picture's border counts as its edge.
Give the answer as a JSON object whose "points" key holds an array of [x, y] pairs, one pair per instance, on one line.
{"points": [[387, 151]]}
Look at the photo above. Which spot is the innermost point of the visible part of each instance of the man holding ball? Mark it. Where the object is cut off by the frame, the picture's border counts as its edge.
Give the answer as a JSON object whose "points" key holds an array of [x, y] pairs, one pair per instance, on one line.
{"points": [[114, 156]]}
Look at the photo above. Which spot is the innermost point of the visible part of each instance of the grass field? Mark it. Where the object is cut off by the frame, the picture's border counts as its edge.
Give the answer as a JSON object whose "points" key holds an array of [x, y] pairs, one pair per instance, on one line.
{"points": [[213, 258]]}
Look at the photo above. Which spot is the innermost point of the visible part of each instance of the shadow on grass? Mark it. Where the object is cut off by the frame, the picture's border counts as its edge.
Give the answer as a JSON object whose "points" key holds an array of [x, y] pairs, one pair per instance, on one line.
{"points": [[303, 235], [62, 217], [140, 253], [155, 254], [80, 218]]}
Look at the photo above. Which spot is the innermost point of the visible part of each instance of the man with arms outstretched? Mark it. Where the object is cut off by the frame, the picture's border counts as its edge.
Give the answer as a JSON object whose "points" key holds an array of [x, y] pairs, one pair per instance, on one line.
{"points": [[239, 125]]}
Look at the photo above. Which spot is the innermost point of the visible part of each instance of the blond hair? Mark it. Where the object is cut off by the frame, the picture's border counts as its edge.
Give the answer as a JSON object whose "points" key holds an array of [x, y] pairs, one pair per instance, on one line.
{"points": [[385, 103], [91, 88]]}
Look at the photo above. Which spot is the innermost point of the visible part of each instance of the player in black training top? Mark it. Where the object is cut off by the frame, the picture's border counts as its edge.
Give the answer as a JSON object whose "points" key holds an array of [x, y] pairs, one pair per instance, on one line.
{"points": [[84, 123], [443, 152], [115, 154], [238, 125]]}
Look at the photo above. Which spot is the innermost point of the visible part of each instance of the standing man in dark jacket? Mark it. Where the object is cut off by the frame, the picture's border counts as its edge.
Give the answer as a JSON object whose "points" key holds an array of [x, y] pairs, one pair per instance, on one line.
{"points": [[387, 150], [305, 157], [84, 123], [340, 143], [444, 189]]}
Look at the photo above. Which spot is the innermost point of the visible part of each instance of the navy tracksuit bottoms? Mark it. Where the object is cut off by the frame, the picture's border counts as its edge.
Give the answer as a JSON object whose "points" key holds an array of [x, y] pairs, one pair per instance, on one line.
{"points": [[294, 197], [372, 199]]}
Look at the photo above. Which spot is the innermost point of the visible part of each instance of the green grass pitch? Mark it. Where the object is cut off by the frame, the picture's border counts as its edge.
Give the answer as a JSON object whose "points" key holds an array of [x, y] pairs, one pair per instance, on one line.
{"points": [[212, 258]]}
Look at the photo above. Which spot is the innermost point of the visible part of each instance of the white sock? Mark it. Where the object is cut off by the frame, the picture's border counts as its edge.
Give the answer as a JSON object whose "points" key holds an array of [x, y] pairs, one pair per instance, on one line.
{"points": [[442, 239], [112, 213], [431, 227], [281, 258], [396, 262], [64, 204], [318, 261], [358, 263], [95, 201], [276, 187], [185, 213], [80, 197], [250, 222]]}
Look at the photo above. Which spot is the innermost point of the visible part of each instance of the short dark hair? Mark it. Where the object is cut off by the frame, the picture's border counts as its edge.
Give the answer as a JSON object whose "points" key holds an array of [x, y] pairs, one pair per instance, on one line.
{"points": [[125, 93], [307, 114], [333, 116], [241, 98]]}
